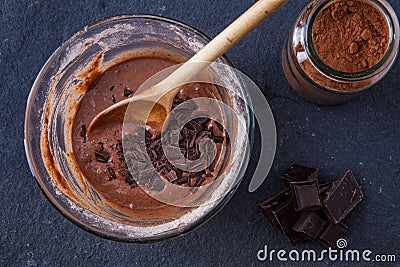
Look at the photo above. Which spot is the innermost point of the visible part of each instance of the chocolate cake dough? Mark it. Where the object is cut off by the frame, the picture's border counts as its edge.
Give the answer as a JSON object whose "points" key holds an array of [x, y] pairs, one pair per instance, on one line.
{"points": [[100, 155]]}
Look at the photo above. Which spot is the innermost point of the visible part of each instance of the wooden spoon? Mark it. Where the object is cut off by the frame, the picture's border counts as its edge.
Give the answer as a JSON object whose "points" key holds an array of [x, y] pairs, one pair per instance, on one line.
{"points": [[168, 88]]}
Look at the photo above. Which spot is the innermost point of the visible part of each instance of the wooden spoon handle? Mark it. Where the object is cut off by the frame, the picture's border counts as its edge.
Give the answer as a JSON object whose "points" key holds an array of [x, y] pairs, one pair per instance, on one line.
{"points": [[169, 87], [249, 20]]}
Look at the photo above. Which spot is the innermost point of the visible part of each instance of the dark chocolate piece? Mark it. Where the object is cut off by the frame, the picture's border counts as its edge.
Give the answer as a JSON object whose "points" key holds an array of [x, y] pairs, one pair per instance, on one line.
{"points": [[101, 156], [172, 177], [83, 133], [111, 88], [200, 180], [195, 125], [101, 144], [332, 233], [273, 204], [155, 144], [113, 99], [287, 216], [178, 100], [216, 128], [302, 215], [127, 92], [201, 136], [297, 173], [190, 137], [111, 173], [306, 195], [191, 143], [129, 178], [218, 139], [342, 197], [310, 224], [323, 188]]}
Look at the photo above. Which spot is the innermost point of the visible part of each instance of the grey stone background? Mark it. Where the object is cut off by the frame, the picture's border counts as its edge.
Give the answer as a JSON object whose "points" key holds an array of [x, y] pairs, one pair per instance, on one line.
{"points": [[362, 135]]}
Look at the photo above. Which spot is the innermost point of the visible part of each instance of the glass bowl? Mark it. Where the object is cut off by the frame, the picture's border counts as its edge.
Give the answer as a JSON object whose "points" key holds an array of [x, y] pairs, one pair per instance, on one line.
{"points": [[49, 114]]}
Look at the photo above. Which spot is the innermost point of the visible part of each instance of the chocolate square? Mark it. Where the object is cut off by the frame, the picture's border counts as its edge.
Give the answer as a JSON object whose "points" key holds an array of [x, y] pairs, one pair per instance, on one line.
{"points": [[297, 173], [273, 204], [342, 197], [306, 195], [287, 216], [310, 224], [323, 188], [332, 233]]}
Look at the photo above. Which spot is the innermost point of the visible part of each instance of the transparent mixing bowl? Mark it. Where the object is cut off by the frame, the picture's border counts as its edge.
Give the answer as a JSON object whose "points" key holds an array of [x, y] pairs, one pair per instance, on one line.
{"points": [[49, 114]]}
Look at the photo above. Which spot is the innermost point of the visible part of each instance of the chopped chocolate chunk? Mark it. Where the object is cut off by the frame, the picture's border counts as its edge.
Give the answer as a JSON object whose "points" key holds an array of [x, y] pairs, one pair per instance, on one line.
{"points": [[201, 136], [129, 178], [178, 172], [113, 99], [111, 88], [212, 166], [172, 177], [287, 216], [342, 197], [273, 204], [216, 128], [218, 139], [310, 224], [154, 155], [155, 144], [101, 144], [162, 170], [184, 179], [148, 135], [101, 156], [332, 234], [111, 173], [195, 125], [297, 173], [200, 180], [323, 188], [127, 92], [178, 100], [306, 195], [192, 154], [190, 137], [302, 215], [118, 145], [83, 133]]}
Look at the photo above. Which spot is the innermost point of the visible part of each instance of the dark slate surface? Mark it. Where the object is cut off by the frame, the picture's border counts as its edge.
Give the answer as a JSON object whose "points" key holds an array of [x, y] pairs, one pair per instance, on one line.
{"points": [[362, 135]]}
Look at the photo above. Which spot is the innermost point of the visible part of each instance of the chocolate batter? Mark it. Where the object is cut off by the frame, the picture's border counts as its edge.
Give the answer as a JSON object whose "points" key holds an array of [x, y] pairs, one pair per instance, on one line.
{"points": [[100, 156]]}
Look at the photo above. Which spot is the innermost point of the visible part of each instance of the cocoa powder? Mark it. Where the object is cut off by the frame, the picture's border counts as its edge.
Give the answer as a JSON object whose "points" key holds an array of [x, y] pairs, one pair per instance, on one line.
{"points": [[350, 36]]}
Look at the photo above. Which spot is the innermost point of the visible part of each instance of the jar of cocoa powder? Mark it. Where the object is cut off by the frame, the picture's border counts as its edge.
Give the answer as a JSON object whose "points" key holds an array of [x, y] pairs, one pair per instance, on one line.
{"points": [[339, 49]]}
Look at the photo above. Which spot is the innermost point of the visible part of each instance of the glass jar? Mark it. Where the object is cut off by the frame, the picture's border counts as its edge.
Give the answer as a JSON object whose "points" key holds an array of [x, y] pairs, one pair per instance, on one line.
{"points": [[50, 110], [318, 82]]}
